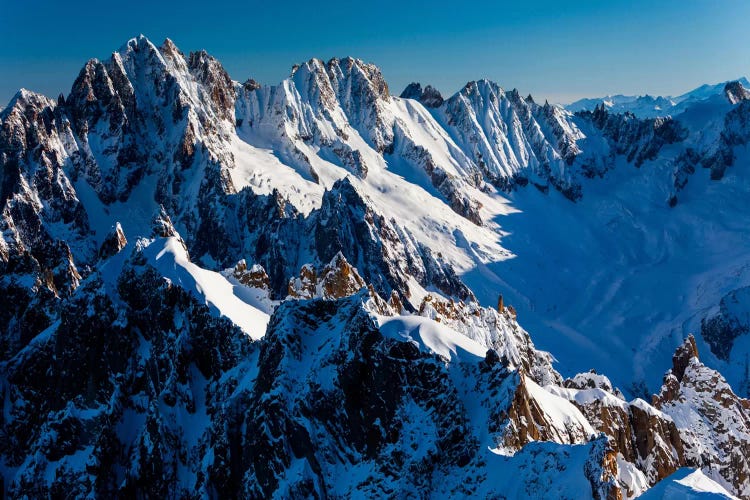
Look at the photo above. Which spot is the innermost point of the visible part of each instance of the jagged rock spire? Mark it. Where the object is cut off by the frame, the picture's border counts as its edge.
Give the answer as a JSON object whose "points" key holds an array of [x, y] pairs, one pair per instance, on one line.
{"points": [[114, 242], [429, 96], [161, 225], [735, 92], [683, 355], [714, 423]]}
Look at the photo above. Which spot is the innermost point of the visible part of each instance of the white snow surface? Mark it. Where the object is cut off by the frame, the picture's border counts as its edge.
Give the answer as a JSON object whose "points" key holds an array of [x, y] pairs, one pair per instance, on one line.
{"points": [[563, 414], [616, 281], [634, 480], [538, 471], [587, 396], [431, 336], [169, 257], [261, 170], [611, 282], [686, 484]]}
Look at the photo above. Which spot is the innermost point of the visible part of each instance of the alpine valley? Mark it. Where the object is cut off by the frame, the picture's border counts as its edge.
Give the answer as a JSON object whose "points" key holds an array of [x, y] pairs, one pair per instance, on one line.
{"points": [[215, 289]]}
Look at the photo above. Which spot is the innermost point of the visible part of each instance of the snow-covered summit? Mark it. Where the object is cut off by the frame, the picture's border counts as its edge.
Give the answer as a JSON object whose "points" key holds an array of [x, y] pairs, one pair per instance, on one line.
{"points": [[214, 287], [647, 106]]}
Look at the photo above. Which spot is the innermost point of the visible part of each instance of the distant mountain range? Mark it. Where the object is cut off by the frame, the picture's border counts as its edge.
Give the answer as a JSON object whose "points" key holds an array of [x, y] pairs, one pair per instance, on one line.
{"points": [[218, 288], [647, 106]]}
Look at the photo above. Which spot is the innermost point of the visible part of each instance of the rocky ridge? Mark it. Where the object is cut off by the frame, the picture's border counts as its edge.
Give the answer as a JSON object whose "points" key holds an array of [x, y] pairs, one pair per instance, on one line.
{"points": [[120, 378]]}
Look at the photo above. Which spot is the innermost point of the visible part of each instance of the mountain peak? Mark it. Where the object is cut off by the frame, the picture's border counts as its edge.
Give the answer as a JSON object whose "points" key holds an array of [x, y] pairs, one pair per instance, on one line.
{"points": [[24, 97], [170, 49], [137, 43], [133, 354], [736, 92], [347, 78], [429, 96], [482, 87], [682, 356]]}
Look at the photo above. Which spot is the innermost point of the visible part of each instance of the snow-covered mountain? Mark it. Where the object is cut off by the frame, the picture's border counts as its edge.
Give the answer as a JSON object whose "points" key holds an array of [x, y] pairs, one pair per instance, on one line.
{"points": [[647, 106], [214, 288]]}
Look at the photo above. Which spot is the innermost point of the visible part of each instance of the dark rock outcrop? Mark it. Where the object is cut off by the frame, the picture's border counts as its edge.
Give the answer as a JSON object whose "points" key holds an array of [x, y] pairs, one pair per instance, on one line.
{"points": [[731, 322], [113, 242], [735, 92], [429, 96]]}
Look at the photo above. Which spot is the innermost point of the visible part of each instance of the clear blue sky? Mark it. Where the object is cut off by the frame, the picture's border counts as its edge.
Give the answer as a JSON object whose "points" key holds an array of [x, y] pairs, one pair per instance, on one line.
{"points": [[557, 50]]}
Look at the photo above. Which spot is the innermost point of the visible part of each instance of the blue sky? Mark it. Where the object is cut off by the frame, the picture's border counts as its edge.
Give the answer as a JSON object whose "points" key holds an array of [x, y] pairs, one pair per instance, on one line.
{"points": [[556, 50]]}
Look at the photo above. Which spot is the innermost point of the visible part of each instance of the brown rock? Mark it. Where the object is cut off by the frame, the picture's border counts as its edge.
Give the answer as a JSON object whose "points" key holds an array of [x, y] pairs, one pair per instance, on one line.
{"points": [[395, 302], [643, 435], [715, 438], [682, 356], [303, 287], [340, 279], [255, 277], [527, 421]]}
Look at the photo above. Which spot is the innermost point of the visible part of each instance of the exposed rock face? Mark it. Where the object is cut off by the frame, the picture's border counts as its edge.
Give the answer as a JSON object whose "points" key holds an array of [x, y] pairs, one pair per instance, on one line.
{"points": [[36, 192], [639, 433], [255, 277], [716, 149], [219, 87], [336, 280], [638, 140], [146, 363], [736, 92], [656, 445], [602, 471], [306, 286], [44, 228], [339, 279], [593, 380], [683, 356], [250, 85], [500, 331], [490, 123], [429, 96], [352, 86], [412, 91], [732, 321], [714, 423], [383, 253], [162, 226], [113, 243], [530, 417]]}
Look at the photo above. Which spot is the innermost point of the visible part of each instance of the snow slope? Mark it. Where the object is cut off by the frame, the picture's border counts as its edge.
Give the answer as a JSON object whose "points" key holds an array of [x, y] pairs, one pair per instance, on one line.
{"points": [[563, 415], [432, 336], [169, 257], [582, 276], [602, 234], [623, 277], [618, 275], [687, 484]]}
